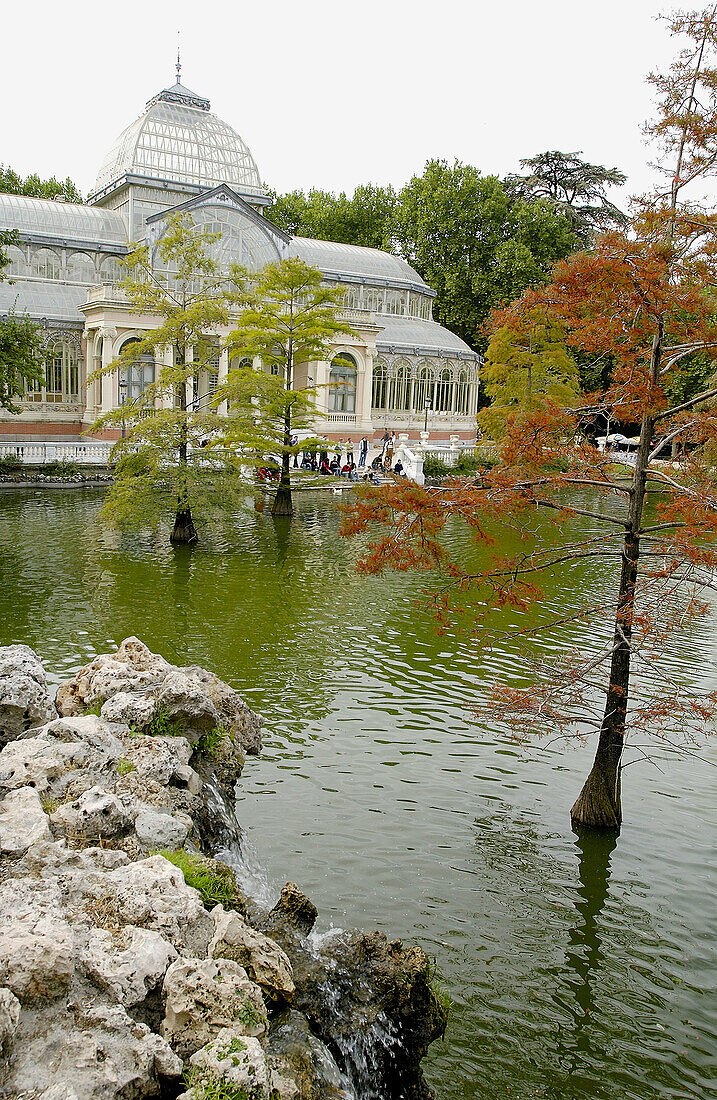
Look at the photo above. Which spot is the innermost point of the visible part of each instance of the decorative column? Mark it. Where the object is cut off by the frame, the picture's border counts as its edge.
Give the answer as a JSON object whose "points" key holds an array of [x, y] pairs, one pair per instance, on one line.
{"points": [[223, 372], [363, 399], [109, 398]]}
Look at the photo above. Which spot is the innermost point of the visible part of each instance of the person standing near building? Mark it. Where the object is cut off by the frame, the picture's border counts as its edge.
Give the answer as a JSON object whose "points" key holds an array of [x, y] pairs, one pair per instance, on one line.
{"points": [[388, 452], [349, 451], [363, 451]]}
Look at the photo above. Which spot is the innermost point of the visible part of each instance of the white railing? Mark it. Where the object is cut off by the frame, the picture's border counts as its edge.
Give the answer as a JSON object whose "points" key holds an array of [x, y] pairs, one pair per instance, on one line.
{"points": [[447, 452], [412, 462], [341, 418], [92, 453]]}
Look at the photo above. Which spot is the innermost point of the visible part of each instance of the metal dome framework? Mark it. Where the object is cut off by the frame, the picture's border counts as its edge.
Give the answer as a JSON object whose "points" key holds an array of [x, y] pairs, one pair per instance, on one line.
{"points": [[177, 138]]}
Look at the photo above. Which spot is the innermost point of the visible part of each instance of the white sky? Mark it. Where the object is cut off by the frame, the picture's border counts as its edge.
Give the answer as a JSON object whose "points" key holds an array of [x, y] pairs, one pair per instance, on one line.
{"points": [[331, 95]]}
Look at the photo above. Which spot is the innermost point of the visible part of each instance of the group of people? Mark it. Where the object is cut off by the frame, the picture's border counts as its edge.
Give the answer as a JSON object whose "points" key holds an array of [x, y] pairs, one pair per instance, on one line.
{"points": [[310, 460], [342, 463]]}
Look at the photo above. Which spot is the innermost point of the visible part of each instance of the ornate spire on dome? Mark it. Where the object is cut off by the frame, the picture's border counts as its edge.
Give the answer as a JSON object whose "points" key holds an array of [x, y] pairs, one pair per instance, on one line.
{"points": [[179, 94]]}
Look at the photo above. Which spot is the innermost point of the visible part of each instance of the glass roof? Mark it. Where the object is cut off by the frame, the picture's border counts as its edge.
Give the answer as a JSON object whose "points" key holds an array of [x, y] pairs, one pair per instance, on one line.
{"points": [[43, 298], [351, 259], [67, 220], [178, 138], [410, 332]]}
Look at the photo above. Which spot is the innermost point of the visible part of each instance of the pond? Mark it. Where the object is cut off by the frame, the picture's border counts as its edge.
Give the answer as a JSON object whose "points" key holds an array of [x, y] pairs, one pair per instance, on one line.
{"points": [[577, 968]]}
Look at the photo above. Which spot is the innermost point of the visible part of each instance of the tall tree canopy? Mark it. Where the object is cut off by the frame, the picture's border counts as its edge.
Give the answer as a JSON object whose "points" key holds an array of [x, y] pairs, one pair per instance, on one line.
{"points": [[165, 472], [364, 219], [474, 244], [575, 187], [13, 184], [290, 319], [644, 295]]}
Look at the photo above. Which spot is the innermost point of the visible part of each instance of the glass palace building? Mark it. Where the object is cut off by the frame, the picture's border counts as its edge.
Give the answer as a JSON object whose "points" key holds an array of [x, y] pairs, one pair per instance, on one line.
{"points": [[178, 155]]}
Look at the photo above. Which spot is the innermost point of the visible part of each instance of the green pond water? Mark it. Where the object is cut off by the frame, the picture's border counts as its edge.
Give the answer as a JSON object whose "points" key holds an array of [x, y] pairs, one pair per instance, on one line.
{"points": [[577, 967]]}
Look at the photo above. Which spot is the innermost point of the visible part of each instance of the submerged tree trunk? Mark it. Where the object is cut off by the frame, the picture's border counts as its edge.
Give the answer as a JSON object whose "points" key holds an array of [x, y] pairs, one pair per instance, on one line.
{"points": [[599, 805], [283, 505], [184, 531]]}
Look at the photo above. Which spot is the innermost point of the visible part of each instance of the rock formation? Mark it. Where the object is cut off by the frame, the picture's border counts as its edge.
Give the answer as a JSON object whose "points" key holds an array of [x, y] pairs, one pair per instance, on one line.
{"points": [[131, 966]]}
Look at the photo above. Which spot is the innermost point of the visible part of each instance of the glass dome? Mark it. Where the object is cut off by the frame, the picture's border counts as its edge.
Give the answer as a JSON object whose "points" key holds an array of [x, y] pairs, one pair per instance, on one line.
{"points": [[179, 139]]}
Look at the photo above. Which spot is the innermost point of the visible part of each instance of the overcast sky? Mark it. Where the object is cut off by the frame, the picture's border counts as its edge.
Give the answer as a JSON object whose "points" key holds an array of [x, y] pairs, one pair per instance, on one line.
{"points": [[331, 95]]}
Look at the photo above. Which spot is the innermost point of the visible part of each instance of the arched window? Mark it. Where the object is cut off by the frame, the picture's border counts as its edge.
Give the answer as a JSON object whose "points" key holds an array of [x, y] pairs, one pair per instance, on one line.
{"points": [[109, 270], [395, 302], [18, 263], [462, 393], [46, 264], [342, 384], [136, 376], [80, 268], [444, 391], [400, 389], [62, 374], [423, 390], [379, 388], [352, 297]]}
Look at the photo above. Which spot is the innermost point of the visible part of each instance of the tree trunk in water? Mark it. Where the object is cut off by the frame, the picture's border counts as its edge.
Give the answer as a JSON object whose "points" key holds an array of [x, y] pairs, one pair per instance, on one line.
{"points": [[598, 804], [282, 505], [184, 531]]}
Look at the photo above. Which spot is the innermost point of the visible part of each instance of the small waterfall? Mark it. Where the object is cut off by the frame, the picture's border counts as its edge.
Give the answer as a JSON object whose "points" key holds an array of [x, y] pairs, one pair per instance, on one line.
{"points": [[357, 1041]]}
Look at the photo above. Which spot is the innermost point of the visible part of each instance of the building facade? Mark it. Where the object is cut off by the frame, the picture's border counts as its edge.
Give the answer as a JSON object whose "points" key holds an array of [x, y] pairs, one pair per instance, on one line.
{"points": [[399, 371]]}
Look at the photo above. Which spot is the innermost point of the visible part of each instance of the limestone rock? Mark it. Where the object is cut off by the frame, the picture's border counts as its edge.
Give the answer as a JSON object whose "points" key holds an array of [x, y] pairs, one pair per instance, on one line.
{"points": [[37, 945], [234, 715], [132, 668], [134, 788], [9, 1016], [25, 701], [294, 909], [37, 761], [22, 821], [131, 973], [205, 995], [92, 1052], [133, 709], [96, 813], [262, 958], [67, 750], [184, 700], [157, 830], [135, 684], [158, 758], [235, 1058], [152, 892]]}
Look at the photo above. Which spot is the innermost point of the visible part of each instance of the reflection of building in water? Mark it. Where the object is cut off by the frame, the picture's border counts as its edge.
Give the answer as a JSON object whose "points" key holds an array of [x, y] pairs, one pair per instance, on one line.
{"points": [[178, 154]]}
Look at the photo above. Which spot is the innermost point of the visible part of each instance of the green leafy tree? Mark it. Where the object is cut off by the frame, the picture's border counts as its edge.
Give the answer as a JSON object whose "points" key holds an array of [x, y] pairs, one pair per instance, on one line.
{"points": [[364, 219], [474, 244], [527, 367], [13, 184], [290, 319], [164, 467], [20, 345], [575, 187]]}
